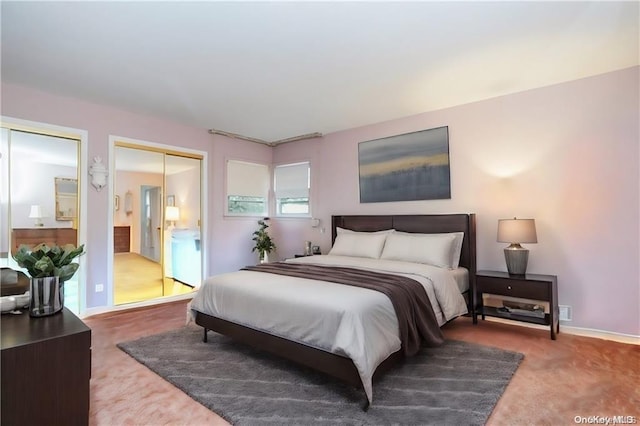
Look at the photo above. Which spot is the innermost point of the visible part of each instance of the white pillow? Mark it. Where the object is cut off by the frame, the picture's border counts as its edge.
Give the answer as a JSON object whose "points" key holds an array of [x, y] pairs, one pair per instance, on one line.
{"points": [[456, 249], [359, 244], [432, 249]]}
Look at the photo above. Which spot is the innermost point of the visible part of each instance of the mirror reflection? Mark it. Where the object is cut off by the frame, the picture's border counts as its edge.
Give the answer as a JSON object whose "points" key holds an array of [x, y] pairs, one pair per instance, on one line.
{"points": [[66, 198], [156, 224], [42, 201], [183, 257]]}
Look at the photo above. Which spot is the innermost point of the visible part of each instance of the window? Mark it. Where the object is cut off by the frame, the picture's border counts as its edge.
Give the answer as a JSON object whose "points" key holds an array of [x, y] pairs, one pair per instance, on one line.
{"points": [[292, 183], [247, 188]]}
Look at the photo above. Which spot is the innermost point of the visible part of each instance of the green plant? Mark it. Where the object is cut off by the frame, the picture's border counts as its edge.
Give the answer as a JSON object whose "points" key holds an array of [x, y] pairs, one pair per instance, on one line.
{"points": [[49, 261], [263, 242]]}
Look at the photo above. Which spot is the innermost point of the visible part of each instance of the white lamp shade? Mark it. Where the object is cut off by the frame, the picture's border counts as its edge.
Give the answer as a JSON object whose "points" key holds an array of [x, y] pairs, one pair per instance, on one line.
{"points": [[36, 212], [517, 231], [172, 213]]}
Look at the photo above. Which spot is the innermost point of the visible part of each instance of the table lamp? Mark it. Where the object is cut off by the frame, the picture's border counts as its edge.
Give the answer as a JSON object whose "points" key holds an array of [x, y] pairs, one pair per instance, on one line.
{"points": [[36, 213], [172, 214], [516, 231]]}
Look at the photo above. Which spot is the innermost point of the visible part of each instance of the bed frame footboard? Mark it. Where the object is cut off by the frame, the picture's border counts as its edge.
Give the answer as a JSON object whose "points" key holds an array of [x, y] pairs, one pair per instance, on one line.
{"points": [[333, 365]]}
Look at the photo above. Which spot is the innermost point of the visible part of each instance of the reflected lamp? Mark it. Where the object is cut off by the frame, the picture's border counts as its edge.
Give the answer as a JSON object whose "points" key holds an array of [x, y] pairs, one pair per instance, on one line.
{"points": [[36, 213], [172, 214]]}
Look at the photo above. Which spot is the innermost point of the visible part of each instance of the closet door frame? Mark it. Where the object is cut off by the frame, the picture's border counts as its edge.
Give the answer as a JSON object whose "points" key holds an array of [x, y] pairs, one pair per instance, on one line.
{"points": [[114, 141]]}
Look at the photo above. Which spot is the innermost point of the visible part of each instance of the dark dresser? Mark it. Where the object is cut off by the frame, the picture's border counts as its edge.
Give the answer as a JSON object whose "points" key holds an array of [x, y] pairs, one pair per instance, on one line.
{"points": [[50, 236], [121, 239], [46, 367]]}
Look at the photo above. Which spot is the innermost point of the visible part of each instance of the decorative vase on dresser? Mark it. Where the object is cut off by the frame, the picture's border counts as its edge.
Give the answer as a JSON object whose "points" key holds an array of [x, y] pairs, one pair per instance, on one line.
{"points": [[49, 267], [47, 296]]}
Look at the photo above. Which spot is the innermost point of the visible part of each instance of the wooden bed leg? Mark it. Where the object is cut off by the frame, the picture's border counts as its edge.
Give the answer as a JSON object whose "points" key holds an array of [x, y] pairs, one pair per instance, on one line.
{"points": [[204, 338]]}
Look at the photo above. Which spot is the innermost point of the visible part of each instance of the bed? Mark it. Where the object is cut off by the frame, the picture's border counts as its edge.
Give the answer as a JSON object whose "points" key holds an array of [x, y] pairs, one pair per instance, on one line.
{"points": [[350, 333]]}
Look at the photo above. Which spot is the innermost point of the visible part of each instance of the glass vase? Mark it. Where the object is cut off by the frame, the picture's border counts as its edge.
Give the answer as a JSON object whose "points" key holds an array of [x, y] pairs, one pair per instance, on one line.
{"points": [[47, 296]]}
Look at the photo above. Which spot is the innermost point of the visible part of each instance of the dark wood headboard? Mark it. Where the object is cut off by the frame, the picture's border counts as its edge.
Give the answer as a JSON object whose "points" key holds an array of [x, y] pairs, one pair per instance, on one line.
{"points": [[426, 224]]}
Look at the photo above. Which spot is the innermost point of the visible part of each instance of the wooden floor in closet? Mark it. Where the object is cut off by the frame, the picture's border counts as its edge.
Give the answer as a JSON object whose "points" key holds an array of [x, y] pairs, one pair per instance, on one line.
{"points": [[138, 279]]}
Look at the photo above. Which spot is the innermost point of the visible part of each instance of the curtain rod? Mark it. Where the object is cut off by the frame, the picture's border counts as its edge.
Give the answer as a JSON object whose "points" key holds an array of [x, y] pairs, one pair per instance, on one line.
{"points": [[297, 138], [256, 140], [236, 136]]}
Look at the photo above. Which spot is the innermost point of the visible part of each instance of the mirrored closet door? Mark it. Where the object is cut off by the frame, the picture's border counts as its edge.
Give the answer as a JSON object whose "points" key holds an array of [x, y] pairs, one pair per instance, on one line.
{"points": [[156, 220], [39, 197]]}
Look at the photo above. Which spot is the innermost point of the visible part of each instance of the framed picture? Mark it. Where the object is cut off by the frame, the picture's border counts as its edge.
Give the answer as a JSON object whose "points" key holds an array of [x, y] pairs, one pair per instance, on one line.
{"points": [[66, 193], [407, 167], [171, 200]]}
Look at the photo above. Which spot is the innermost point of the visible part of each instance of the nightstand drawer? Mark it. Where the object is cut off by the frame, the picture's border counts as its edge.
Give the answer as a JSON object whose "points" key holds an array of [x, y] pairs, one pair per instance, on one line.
{"points": [[516, 288]]}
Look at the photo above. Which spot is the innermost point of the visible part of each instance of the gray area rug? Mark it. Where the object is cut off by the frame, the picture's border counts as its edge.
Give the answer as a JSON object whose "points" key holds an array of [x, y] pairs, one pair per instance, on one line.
{"points": [[457, 383]]}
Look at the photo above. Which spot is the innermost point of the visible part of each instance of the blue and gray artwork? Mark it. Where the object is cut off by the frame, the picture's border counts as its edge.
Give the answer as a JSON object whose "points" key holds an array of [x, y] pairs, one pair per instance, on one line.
{"points": [[413, 166]]}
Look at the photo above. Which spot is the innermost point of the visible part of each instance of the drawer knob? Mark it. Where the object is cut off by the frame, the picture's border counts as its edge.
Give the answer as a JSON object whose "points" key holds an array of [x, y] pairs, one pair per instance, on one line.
{"points": [[509, 287]]}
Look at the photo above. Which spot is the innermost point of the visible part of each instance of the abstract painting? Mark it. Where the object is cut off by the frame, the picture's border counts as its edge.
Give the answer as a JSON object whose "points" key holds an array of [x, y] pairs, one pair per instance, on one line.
{"points": [[412, 166]]}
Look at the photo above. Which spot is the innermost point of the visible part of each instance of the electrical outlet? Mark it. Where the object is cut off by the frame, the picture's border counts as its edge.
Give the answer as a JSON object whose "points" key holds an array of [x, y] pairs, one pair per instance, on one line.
{"points": [[99, 288], [565, 313]]}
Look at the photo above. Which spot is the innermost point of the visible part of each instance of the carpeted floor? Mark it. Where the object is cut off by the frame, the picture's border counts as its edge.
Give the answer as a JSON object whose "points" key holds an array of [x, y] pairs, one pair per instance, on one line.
{"points": [[457, 383]]}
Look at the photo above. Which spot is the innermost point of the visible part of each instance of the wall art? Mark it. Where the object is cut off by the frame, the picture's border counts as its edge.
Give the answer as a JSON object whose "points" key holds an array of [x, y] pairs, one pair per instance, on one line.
{"points": [[407, 167]]}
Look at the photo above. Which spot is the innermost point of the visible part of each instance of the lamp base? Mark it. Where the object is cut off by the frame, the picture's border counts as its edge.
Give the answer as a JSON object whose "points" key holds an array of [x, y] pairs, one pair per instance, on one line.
{"points": [[516, 257]]}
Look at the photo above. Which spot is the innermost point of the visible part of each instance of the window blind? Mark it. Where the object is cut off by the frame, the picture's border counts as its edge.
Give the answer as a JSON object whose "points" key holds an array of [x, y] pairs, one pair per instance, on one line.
{"points": [[247, 179], [292, 180]]}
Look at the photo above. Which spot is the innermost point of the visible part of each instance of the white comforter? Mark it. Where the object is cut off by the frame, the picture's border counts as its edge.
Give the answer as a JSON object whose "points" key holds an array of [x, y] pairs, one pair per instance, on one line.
{"points": [[345, 320]]}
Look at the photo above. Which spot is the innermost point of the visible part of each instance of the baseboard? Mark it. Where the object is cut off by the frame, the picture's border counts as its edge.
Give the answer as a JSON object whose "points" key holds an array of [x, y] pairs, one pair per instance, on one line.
{"points": [[600, 334], [106, 309], [577, 331]]}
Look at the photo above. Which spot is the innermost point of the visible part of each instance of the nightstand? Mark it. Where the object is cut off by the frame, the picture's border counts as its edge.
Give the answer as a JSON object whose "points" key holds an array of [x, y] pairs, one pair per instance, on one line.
{"points": [[537, 287]]}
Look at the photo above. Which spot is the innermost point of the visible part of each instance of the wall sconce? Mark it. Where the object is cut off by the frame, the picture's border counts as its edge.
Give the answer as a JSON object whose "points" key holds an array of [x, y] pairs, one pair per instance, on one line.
{"points": [[516, 231], [98, 173], [36, 213], [172, 214], [128, 202]]}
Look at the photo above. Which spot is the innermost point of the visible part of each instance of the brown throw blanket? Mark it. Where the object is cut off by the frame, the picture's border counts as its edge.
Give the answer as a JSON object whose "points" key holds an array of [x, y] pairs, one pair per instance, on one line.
{"points": [[418, 324]]}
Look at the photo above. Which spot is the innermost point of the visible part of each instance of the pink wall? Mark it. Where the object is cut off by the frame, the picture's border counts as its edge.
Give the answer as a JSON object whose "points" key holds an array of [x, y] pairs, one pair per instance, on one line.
{"points": [[566, 155], [227, 250]]}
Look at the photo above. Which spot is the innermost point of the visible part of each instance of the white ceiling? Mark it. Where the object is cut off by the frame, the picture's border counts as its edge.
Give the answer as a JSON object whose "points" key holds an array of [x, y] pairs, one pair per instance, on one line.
{"points": [[274, 70]]}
